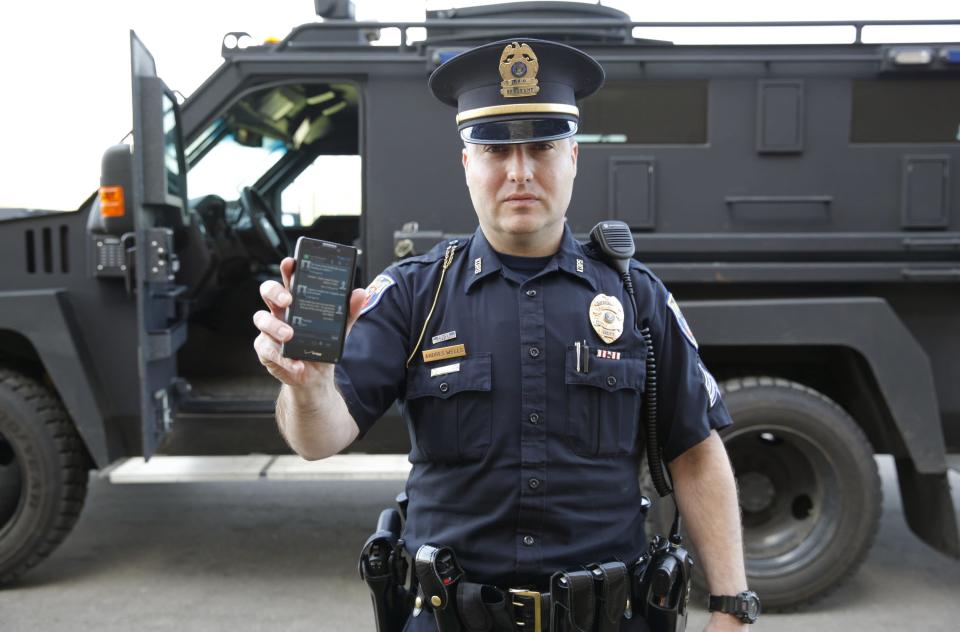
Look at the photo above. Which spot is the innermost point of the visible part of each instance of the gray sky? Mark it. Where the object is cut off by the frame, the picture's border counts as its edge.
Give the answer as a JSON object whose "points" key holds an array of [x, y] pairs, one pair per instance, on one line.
{"points": [[64, 65]]}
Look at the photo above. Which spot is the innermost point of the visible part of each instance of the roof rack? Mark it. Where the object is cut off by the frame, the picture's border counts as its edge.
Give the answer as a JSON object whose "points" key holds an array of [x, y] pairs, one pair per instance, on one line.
{"points": [[341, 33]]}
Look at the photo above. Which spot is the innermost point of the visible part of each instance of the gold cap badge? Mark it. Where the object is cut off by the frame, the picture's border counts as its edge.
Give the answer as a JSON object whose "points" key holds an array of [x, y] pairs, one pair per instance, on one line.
{"points": [[518, 71], [606, 316]]}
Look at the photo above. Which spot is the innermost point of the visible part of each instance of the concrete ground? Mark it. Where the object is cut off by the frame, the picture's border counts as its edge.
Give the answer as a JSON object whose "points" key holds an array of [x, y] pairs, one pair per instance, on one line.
{"points": [[271, 555]]}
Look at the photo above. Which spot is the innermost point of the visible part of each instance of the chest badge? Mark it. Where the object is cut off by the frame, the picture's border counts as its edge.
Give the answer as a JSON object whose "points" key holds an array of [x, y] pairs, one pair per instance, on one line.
{"points": [[606, 316]]}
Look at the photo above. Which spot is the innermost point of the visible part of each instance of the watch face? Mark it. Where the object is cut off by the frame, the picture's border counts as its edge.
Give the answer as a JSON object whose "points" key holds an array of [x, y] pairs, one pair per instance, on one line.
{"points": [[750, 607]]}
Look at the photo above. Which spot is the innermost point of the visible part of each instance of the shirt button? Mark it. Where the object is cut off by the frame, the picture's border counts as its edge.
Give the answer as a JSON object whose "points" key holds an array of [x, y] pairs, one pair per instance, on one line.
{"points": [[531, 293], [611, 381], [534, 418], [444, 387], [534, 352], [534, 483], [528, 540]]}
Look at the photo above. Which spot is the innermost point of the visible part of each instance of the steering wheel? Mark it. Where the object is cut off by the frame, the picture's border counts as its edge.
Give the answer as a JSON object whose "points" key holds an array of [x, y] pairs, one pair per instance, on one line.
{"points": [[265, 224]]}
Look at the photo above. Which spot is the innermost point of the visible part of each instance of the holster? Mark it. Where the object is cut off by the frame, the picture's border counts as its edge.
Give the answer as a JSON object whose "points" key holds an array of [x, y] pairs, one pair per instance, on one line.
{"points": [[574, 601], [383, 568], [611, 586], [439, 574]]}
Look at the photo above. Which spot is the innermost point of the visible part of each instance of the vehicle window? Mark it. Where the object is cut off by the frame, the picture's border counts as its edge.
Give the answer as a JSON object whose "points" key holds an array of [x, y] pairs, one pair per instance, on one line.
{"points": [[229, 166], [918, 110], [648, 112], [172, 148], [304, 134], [329, 186]]}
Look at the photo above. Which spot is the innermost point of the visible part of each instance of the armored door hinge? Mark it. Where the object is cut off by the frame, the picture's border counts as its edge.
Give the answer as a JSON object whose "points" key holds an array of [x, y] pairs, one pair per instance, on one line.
{"points": [[168, 400], [117, 256], [162, 263]]}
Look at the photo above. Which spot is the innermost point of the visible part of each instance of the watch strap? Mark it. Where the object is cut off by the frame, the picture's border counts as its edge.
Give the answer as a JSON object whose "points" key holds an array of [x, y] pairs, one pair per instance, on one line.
{"points": [[723, 603], [736, 605]]}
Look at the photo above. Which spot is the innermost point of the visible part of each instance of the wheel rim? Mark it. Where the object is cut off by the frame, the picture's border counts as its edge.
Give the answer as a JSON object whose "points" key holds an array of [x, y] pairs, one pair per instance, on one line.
{"points": [[11, 483], [790, 498]]}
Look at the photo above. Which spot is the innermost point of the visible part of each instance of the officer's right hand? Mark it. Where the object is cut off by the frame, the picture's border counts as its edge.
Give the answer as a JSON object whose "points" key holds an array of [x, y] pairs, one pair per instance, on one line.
{"points": [[274, 332]]}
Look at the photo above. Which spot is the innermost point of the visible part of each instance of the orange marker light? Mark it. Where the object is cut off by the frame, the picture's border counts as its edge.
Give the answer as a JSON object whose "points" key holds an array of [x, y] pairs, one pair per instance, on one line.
{"points": [[111, 202]]}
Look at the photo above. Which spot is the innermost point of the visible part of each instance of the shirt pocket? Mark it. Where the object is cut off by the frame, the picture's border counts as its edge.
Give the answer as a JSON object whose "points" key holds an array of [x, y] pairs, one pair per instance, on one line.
{"points": [[604, 404], [451, 414]]}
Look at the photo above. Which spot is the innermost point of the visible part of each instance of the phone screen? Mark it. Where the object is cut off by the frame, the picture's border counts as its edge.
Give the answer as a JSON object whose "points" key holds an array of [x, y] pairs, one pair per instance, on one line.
{"points": [[321, 285]]}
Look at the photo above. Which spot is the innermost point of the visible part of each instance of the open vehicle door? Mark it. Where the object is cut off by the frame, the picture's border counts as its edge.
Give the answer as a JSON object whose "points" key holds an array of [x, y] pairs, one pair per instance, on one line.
{"points": [[159, 206]]}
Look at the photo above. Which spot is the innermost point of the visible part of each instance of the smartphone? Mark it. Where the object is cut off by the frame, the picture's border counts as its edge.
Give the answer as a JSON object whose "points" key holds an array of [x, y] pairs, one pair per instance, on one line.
{"points": [[321, 285]]}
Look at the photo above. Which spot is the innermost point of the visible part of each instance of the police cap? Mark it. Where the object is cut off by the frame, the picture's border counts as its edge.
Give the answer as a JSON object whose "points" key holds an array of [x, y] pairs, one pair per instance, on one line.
{"points": [[517, 90]]}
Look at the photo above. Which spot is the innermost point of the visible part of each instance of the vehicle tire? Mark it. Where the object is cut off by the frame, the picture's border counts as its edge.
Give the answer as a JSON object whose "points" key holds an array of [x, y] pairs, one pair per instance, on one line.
{"points": [[809, 489], [43, 474]]}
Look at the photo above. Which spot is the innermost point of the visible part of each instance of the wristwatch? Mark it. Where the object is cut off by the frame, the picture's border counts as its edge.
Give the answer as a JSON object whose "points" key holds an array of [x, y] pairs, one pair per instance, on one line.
{"points": [[745, 606]]}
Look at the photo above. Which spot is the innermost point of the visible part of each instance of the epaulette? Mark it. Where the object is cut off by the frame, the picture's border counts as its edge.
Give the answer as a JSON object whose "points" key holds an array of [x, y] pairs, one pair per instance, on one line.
{"points": [[594, 253], [435, 254], [636, 265], [590, 250]]}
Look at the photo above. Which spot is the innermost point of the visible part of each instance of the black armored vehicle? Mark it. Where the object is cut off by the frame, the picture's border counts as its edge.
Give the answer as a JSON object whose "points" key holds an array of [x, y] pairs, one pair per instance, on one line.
{"points": [[798, 200]]}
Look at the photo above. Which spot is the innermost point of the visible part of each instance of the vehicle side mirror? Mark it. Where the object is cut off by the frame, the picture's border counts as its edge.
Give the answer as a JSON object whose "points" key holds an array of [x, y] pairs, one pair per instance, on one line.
{"points": [[112, 212]]}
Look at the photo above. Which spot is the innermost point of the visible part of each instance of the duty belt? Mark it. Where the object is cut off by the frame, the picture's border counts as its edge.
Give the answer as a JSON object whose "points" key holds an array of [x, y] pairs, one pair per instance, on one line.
{"points": [[593, 598], [590, 598]]}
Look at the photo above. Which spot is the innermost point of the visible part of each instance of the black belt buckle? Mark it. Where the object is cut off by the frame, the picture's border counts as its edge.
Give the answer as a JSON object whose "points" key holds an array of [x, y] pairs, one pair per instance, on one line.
{"points": [[519, 597]]}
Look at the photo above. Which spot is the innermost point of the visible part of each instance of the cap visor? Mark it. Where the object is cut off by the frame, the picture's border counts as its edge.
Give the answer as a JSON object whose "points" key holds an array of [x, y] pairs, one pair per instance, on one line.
{"points": [[522, 131]]}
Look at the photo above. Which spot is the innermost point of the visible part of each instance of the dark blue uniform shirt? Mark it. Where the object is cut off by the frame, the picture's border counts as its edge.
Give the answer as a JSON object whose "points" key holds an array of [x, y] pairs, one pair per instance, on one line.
{"points": [[524, 462]]}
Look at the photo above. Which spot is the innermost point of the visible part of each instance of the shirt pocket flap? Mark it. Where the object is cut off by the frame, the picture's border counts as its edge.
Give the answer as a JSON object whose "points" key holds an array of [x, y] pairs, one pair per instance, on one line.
{"points": [[427, 380], [606, 373]]}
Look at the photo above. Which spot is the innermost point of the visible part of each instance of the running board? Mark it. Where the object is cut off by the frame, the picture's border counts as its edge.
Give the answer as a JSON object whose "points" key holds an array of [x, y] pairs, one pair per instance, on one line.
{"points": [[254, 467], [953, 462]]}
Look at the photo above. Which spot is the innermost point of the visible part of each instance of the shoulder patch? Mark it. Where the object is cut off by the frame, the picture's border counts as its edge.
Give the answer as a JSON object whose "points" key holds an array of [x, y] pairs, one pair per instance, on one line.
{"points": [[684, 327], [710, 385], [375, 292]]}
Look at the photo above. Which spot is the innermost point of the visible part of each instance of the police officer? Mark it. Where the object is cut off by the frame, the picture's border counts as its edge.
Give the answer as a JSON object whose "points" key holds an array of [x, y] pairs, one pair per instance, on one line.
{"points": [[518, 359]]}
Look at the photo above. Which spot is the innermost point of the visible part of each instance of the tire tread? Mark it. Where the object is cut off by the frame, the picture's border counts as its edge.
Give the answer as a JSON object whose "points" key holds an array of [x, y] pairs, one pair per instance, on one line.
{"points": [[74, 465], [742, 383]]}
